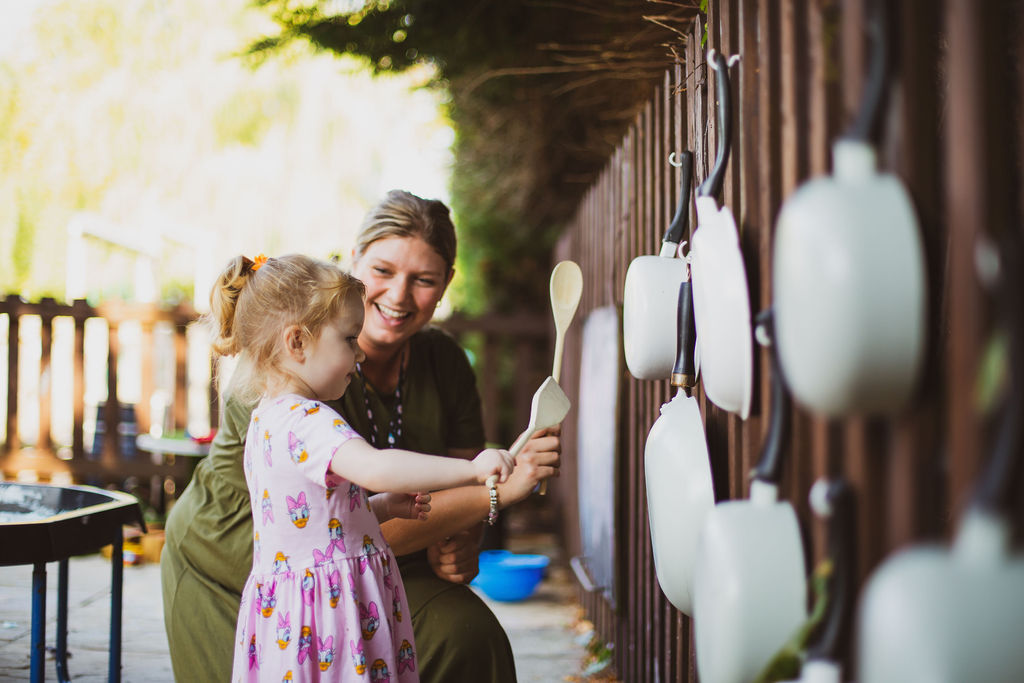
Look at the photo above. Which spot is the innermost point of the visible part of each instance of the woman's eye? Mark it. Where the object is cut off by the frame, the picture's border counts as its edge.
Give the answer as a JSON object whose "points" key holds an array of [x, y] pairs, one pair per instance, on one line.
{"points": [[381, 271], [426, 282]]}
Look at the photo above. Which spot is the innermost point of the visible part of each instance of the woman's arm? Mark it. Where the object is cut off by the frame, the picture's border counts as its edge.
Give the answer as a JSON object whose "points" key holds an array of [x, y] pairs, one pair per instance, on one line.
{"points": [[458, 509]]}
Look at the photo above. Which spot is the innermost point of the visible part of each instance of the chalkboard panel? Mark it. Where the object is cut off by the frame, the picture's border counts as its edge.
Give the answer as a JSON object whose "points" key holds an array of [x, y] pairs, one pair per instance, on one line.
{"points": [[598, 438]]}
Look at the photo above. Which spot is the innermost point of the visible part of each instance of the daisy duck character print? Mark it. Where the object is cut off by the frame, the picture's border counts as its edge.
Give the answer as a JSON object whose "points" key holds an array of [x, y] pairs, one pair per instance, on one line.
{"points": [[324, 599]]}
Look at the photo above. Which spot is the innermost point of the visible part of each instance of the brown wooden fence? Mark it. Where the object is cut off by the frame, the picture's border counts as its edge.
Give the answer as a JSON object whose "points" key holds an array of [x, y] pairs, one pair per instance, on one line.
{"points": [[511, 359], [953, 133]]}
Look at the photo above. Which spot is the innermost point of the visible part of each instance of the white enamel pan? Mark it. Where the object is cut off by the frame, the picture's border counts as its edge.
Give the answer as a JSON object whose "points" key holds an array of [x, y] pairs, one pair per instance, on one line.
{"points": [[750, 588], [934, 614], [649, 300], [721, 302], [848, 275], [680, 491]]}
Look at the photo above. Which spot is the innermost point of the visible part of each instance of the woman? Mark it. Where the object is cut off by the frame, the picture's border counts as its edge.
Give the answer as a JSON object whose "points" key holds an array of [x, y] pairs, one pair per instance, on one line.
{"points": [[416, 390]]}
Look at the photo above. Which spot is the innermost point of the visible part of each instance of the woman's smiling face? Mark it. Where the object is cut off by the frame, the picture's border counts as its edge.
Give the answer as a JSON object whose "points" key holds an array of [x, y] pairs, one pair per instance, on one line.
{"points": [[405, 279]]}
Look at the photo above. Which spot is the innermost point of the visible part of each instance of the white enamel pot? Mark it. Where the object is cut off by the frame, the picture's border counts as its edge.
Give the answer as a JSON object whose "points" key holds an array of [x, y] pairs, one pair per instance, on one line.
{"points": [[649, 298], [934, 614], [721, 301], [677, 470], [750, 588], [848, 279]]}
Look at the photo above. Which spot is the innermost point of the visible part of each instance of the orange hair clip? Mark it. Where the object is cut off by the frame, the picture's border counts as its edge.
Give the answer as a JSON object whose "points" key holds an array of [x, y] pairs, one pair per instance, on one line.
{"points": [[258, 262]]}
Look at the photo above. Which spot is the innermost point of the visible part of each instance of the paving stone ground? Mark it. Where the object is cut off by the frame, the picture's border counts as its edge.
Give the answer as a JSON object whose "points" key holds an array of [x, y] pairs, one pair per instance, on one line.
{"points": [[545, 646]]}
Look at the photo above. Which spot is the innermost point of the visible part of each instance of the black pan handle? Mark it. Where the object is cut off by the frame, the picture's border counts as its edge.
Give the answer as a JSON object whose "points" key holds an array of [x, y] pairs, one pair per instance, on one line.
{"points": [[769, 464], [681, 221], [878, 75], [1000, 481], [831, 635], [684, 374], [712, 185]]}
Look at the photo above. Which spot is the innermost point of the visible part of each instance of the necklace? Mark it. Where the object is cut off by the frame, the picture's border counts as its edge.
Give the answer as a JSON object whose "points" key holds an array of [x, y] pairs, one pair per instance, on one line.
{"points": [[395, 423]]}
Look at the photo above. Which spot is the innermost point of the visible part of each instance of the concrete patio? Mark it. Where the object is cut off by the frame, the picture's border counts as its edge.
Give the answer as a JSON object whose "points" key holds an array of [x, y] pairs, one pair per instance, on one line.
{"points": [[546, 646]]}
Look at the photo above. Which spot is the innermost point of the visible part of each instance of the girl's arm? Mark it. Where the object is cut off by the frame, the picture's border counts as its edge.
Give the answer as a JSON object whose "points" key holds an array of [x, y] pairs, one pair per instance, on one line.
{"points": [[400, 470]]}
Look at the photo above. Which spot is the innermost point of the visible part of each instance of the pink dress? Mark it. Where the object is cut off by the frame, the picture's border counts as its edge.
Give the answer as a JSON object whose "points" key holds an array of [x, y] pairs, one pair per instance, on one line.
{"points": [[324, 600]]}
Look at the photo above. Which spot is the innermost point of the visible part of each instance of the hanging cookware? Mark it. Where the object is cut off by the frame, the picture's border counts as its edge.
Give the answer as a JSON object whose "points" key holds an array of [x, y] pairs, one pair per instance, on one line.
{"points": [[648, 304], [816, 651], [680, 491], [848, 274], [934, 614], [721, 303], [749, 583]]}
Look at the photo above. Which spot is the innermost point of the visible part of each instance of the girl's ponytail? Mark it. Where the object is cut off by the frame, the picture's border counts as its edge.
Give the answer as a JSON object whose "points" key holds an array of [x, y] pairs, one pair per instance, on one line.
{"points": [[224, 302]]}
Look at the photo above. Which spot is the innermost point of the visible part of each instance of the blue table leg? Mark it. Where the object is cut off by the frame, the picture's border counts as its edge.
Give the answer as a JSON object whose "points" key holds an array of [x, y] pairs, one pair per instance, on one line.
{"points": [[36, 671], [62, 622], [117, 582]]}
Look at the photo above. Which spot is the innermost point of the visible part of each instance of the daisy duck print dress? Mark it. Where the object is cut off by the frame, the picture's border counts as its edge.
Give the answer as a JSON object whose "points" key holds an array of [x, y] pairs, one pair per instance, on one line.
{"points": [[324, 600]]}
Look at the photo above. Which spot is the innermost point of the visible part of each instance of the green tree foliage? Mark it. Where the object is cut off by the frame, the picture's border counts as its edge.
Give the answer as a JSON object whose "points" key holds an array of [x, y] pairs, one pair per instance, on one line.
{"points": [[540, 93]]}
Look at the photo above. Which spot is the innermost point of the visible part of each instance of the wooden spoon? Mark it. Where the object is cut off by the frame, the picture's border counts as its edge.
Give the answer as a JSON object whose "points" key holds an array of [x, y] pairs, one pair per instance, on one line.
{"points": [[566, 289], [549, 407]]}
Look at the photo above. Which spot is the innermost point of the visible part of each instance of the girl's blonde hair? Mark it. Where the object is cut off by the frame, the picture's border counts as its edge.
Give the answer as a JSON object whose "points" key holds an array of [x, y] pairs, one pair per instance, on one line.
{"points": [[250, 306]]}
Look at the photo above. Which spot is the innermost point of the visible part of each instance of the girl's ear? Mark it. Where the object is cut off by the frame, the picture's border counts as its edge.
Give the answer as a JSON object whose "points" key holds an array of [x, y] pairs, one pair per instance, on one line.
{"points": [[294, 347]]}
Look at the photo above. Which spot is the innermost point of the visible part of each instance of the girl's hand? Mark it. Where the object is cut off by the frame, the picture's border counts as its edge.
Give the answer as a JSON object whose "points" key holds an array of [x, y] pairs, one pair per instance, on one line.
{"points": [[401, 506], [493, 461]]}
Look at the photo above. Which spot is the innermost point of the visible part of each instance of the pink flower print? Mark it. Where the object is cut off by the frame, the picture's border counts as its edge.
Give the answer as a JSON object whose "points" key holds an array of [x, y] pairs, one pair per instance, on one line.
{"points": [[322, 558], [336, 533], [298, 509], [406, 657], [355, 497], [296, 448], [379, 672], [266, 449], [281, 565], [358, 658], [284, 629], [267, 506], [305, 643], [334, 587], [267, 599], [326, 652], [396, 605], [308, 582], [369, 620], [254, 658]]}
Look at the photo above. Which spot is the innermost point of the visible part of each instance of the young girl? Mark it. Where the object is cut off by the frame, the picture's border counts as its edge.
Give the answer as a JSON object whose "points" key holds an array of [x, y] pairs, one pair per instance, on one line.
{"points": [[324, 600]]}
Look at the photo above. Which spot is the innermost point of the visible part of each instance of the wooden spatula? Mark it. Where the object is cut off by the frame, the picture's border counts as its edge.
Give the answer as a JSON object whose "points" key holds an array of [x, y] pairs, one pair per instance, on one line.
{"points": [[549, 407]]}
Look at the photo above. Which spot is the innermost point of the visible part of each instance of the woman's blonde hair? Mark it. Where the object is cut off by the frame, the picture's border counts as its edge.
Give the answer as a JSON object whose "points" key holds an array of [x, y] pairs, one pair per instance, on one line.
{"points": [[403, 214], [250, 306]]}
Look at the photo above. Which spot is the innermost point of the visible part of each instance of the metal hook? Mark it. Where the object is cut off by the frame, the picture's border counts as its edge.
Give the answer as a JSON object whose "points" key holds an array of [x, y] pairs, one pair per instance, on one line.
{"points": [[672, 160], [731, 61]]}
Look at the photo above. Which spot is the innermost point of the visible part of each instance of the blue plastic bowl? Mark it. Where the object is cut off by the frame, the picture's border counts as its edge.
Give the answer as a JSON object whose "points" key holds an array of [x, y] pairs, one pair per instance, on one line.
{"points": [[509, 577]]}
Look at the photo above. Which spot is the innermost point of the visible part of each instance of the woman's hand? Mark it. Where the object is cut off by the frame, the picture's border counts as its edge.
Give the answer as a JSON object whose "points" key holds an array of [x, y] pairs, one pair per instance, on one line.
{"points": [[493, 462], [539, 460], [400, 506], [456, 558]]}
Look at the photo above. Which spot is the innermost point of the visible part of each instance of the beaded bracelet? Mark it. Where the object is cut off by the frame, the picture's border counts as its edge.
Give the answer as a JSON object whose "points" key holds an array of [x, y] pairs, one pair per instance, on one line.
{"points": [[492, 492]]}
